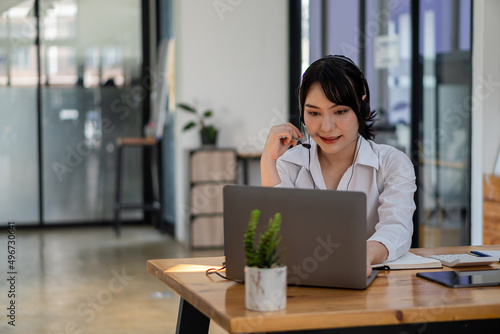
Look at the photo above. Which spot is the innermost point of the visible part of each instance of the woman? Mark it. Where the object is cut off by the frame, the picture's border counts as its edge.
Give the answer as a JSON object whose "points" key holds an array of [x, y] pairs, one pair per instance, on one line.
{"points": [[335, 109]]}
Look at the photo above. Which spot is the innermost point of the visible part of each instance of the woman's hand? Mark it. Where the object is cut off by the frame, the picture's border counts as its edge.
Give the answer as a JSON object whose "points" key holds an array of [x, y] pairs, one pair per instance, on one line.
{"points": [[376, 253], [279, 139]]}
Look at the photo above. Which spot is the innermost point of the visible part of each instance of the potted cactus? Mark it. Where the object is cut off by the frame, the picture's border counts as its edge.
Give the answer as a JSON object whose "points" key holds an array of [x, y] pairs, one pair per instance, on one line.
{"points": [[265, 275]]}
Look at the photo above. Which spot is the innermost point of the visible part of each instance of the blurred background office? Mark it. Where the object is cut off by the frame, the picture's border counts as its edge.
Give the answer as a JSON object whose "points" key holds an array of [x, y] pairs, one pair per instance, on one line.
{"points": [[75, 75]]}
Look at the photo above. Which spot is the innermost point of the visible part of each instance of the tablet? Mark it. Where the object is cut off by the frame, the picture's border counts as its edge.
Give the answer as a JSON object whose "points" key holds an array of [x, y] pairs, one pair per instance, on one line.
{"points": [[463, 279]]}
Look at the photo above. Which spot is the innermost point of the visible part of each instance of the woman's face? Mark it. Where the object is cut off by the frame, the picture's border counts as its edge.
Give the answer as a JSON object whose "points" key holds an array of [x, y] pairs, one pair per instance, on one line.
{"points": [[333, 127]]}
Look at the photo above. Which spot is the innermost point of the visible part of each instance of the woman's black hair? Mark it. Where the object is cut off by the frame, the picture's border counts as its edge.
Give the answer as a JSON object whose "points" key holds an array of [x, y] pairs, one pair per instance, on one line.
{"points": [[343, 84]]}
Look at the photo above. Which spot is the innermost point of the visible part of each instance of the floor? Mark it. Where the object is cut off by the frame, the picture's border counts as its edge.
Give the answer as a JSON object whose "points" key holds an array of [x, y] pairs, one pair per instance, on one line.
{"points": [[83, 280]]}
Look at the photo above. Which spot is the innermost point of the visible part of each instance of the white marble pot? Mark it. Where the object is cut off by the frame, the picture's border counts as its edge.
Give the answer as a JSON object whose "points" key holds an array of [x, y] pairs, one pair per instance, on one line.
{"points": [[265, 288]]}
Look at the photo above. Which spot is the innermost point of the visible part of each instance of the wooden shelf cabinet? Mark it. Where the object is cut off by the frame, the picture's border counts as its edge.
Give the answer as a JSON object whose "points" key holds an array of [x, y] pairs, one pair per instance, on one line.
{"points": [[211, 170]]}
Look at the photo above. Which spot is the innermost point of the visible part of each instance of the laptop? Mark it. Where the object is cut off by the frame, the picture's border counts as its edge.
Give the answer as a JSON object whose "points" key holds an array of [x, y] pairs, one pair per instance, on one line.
{"points": [[323, 233]]}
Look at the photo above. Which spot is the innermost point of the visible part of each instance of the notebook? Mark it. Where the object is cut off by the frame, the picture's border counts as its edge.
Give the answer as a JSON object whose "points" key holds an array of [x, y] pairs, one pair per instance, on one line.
{"points": [[409, 261], [323, 233]]}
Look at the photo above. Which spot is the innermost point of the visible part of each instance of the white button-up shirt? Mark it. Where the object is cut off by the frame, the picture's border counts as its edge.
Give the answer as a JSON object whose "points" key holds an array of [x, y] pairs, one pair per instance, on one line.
{"points": [[382, 172]]}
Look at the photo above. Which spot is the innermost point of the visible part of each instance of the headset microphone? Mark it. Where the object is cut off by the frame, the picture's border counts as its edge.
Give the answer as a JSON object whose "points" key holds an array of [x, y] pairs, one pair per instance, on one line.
{"points": [[308, 146]]}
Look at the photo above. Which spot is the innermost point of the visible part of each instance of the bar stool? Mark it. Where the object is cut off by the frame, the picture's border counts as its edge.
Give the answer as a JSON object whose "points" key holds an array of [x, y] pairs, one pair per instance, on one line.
{"points": [[155, 204]]}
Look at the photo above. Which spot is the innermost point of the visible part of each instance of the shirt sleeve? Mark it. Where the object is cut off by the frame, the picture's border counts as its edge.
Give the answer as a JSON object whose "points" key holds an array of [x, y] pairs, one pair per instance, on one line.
{"points": [[395, 226], [284, 173]]}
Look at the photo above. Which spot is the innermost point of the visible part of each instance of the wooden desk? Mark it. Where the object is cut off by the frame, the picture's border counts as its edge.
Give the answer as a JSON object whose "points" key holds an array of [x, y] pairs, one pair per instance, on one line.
{"points": [[397, 301]]}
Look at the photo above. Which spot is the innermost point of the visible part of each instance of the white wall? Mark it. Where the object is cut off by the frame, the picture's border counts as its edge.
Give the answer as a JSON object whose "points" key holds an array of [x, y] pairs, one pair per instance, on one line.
{"points": [[485, 103], [231, 56]]}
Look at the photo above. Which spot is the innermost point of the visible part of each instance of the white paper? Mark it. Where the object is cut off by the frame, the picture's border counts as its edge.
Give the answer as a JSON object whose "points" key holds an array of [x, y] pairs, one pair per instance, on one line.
{"points": [[386, 51]]}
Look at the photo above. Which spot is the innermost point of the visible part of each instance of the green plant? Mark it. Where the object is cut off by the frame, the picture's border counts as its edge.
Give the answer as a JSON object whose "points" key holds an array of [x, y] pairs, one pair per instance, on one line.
{"points": [[266, 254], [208, 131]]}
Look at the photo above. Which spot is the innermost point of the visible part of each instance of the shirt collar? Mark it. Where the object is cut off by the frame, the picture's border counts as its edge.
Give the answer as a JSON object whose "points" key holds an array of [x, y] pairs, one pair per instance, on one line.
{"points": [[308, 160], [299, 155], [365, 155]]}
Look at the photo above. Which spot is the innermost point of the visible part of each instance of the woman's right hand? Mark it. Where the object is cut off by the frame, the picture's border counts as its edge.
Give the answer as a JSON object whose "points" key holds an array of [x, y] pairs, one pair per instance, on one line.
{"points": [[279, 139]]}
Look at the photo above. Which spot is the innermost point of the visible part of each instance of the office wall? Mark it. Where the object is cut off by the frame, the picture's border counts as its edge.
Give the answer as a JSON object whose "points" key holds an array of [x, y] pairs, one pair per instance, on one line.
{"points": [[485, 103], [232, 57], [487, 78]]}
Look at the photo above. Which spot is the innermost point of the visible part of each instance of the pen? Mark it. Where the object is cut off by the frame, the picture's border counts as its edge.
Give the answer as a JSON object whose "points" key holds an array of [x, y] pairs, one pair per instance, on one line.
{"points": [[293, 138], [385, 267], [480, 254]]}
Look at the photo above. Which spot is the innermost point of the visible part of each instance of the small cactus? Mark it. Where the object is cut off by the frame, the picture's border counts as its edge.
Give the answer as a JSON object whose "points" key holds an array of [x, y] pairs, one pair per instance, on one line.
{"points": [[266, 255]]}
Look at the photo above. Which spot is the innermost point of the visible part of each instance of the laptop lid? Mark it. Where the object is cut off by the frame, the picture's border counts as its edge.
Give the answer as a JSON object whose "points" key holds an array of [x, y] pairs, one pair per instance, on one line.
{"points": [[323, 233]]}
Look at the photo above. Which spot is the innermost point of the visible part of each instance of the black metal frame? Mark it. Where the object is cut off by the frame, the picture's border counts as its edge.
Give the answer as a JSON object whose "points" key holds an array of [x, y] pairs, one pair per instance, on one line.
{"points": [[39, 115], [295, 59], [164, 30], [417, 111], [146, 102], [468, 235], [190, 320], [362, 37]]}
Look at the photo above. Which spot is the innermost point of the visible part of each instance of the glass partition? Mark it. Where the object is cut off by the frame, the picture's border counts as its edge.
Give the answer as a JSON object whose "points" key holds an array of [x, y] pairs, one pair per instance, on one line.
{"points": [[388, 70], [91, 95], [84, 78], [445, 50], [19, 200], [377, 35]]}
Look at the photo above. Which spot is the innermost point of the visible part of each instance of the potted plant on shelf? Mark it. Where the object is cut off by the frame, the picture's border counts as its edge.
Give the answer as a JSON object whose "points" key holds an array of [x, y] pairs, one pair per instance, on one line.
{"points": [[265, 275], [208, 132]]}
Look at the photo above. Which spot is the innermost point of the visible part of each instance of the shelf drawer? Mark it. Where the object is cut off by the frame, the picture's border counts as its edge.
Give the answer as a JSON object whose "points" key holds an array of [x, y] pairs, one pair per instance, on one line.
{"points": [[207, 231], [213, 165], [207, 198]]}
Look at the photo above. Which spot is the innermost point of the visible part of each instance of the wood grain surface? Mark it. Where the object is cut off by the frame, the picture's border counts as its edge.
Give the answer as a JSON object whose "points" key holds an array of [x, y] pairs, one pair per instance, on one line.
{"points": [[395, 297]]}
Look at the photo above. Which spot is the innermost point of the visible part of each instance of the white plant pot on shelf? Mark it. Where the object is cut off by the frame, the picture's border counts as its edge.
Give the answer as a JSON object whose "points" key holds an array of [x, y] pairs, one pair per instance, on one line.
{"points": [[265, 288]]}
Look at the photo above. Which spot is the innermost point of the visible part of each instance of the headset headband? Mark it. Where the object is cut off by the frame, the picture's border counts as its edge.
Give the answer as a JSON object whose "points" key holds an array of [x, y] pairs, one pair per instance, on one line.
{"points": [[344, 58]]}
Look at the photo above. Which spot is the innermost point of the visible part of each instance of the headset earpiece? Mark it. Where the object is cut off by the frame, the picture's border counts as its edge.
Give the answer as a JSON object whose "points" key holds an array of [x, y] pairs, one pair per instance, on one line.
{"points": [[365, 109]]}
